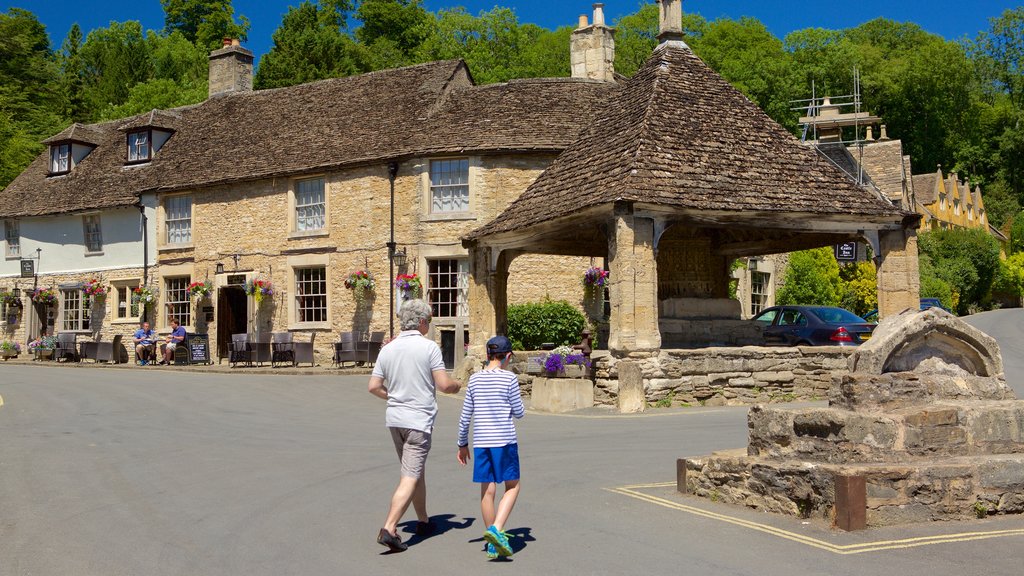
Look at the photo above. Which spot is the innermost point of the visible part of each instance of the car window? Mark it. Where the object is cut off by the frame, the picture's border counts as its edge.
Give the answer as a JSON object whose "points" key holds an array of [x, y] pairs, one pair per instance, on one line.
{"points": [[792, 318], [766, 317], [837, 316]]}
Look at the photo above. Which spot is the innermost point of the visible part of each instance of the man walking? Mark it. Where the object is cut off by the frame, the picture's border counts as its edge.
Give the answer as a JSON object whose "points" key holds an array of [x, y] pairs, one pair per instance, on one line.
{"points": [[412, 367]]}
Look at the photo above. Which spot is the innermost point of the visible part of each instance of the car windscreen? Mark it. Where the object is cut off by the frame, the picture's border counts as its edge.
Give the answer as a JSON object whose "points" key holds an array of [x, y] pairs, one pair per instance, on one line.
{"points": [[837, 316]]}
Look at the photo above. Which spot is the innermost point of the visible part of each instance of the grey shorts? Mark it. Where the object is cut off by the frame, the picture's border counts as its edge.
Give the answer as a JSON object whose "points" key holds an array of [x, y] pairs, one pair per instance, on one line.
{"points": [[412, 447]]}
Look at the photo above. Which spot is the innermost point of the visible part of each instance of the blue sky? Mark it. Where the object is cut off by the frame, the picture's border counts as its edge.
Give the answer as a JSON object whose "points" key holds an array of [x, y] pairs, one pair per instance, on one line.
{"points": [[951, 19]]}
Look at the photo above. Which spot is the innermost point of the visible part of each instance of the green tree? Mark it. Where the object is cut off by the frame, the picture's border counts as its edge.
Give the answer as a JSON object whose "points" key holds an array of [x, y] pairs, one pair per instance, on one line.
{"points": [[115, 58], [968, 260], [859, 288], [932, 286], [637, 34], [72, 76], [392, 30], [1017, 234], [812, 277], [204, 22]]}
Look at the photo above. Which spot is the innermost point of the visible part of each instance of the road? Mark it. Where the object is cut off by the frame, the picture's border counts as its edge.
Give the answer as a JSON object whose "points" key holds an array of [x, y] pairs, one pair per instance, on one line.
{"points": [[127, 472], [1007, 327]]}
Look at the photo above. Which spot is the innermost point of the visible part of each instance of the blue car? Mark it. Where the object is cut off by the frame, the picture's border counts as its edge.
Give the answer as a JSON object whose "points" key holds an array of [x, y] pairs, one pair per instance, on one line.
{"points": [[813, 326], [926, 303]]}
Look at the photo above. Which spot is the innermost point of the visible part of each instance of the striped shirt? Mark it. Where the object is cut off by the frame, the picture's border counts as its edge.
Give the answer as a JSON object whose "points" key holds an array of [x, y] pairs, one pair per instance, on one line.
{"points": [[492, 401]]}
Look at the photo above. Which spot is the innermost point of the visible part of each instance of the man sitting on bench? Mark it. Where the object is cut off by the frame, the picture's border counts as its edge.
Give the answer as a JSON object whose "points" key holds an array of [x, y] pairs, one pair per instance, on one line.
{"points": [[177, 337], [145, 344]]}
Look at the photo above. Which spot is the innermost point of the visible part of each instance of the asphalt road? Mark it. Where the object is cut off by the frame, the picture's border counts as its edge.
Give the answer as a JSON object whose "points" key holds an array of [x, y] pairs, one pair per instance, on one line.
{"points": [[127, 472], [1007, 327]]}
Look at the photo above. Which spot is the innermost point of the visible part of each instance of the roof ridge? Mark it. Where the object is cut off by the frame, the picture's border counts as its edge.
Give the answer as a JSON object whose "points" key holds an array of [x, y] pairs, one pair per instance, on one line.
{"points": [[659, 73]]}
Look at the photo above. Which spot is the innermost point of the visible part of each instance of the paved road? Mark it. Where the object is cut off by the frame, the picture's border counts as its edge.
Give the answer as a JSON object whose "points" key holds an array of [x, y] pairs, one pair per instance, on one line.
{"points": [[1007, 327], [111, 472]]}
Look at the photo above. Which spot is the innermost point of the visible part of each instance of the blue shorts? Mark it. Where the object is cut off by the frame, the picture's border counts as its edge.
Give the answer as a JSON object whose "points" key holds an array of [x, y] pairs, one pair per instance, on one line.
{"points": [[496, 464]]}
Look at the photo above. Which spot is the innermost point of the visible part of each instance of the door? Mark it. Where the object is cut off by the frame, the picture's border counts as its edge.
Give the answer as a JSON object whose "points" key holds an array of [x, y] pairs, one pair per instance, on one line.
{"points": [[790, 326], [232, 316]]}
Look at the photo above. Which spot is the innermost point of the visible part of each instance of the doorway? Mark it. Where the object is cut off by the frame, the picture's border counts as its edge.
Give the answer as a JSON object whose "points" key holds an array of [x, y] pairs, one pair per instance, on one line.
{"points": [[232, 316]]}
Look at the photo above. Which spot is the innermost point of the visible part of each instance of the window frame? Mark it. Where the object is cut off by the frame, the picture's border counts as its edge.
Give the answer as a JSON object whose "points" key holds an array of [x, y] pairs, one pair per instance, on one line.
{"points": [[181, 308], [15, 225], [98, 233], [759, 299], [440, 283], [168, 220], [129, 147], [55, 156], [320, 315], [432, 187], [82, 310], [128, 285], [298, 205]]}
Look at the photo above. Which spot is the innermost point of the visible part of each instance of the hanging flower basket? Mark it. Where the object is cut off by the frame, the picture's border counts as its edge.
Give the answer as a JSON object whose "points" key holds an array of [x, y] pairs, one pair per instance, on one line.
{"points": [[361, 283], [144, 295], [94, 288], [44, 296], [198, 290], [410, 284], [10, 298], [259, 289]]}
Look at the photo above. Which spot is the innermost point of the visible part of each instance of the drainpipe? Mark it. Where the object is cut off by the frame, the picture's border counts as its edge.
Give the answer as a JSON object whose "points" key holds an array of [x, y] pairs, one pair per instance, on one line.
{"points": [[145, 254], [392, 173]]}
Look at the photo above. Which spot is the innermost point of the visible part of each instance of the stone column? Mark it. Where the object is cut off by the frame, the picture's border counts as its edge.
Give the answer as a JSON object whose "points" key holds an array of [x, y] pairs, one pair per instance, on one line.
{"points": [[488, 298], [899, 281], [633, 283]]}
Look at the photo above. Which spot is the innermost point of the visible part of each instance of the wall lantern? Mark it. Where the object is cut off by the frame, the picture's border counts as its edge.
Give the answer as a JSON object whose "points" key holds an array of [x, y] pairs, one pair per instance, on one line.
{"points": [[220, 268], [400, 257]]}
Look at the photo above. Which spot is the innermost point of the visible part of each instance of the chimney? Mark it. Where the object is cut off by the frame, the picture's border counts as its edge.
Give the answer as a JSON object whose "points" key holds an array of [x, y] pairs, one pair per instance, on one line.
{"points": [[230, 69], [885, 135], [871, 134], [592, 48], [670, 20]]}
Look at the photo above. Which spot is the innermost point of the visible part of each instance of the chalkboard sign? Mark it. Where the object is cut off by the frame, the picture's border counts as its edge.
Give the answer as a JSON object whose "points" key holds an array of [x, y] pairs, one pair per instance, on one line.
{"points": [[198, 348]]}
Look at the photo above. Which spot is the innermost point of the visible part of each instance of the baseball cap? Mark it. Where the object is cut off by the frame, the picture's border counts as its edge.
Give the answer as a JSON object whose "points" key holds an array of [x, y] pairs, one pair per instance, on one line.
{"points": [[499, 345]]}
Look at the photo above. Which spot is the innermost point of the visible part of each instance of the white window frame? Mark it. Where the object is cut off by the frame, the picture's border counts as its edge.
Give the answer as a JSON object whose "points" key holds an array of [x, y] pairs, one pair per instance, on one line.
{"points": [[140, 146], [308, 312], [176, 300], [131, 308], [448, 194], [178, 220], [956, 207], [759, 298], [75, 313], [12, 238], [448, 287], [310, 213], [92, 233], [60, 158]]}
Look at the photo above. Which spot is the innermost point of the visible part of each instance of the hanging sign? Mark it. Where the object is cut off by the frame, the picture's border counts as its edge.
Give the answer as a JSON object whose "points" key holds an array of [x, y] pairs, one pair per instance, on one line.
{"points": [[846, 252], [28, 268]]}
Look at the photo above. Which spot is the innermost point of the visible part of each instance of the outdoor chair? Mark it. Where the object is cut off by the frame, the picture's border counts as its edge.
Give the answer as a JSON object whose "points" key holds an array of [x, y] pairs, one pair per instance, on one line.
{"points": [[108, 351], [304, 351], [240, 350], [345, 350], [283, 348], [370, 349], [66, 347], [87, 351]]}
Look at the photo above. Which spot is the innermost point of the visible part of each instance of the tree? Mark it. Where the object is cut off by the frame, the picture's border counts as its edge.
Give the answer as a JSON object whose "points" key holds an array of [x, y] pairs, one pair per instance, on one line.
{"points": [[1017, 234], [968, 260], [637, 34], [859, 287], [115, 58], [392, 30], [204, 22], [812, 277]]}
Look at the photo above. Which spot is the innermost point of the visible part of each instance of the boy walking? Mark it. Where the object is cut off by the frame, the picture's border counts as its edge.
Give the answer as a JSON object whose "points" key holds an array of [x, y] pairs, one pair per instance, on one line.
{"points": [[492, 401]]}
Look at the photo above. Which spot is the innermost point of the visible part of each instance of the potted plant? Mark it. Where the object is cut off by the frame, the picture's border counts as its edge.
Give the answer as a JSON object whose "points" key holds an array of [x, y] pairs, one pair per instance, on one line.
{"points": [[9, 349], [198, 291], [10, 298], [361, 283], [95, 289], [44, 296], [563, 361], [144, 295], [410, 285], [594, 281], [43, 347], [259, 289]]}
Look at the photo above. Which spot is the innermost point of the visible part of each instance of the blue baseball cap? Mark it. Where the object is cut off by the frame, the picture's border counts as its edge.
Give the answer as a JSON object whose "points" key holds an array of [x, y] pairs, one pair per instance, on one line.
{"points": [[499, 345]]}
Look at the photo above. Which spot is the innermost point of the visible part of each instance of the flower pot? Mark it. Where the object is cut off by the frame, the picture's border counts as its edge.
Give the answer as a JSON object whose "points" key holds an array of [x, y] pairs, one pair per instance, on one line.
{"points": [[5, 354], [44, 354]]}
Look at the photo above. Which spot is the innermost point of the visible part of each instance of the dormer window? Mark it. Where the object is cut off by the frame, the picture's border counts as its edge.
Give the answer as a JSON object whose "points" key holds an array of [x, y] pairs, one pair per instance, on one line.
{"points": [[60, 158], [139, 146]]}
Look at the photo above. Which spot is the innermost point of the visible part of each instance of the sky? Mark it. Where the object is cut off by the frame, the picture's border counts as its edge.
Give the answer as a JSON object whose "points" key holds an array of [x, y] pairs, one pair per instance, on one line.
{"points": [[952, 19]]}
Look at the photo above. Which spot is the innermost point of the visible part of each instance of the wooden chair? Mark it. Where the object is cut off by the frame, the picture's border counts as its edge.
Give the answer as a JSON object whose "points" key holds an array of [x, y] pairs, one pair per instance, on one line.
{"points": [[345, 350], [240, 350], [304, 351], [282, 348]]}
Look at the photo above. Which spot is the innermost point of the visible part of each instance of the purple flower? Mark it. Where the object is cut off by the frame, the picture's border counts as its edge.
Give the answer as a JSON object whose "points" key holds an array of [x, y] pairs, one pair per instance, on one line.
{"points": [[554, 363]]}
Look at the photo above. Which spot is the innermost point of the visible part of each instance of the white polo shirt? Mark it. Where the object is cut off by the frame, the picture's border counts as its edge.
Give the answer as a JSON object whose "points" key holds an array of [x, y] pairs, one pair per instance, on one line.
{"points": [[407, 365]]}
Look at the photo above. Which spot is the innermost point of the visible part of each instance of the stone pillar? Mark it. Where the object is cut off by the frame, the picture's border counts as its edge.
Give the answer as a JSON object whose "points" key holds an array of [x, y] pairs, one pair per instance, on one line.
{"points": [[632, 396], [633, 283], [488, 298], [899, 281]]}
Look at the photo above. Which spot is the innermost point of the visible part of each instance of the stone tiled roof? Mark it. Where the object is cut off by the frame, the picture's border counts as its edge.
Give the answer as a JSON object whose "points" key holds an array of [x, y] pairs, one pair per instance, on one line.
{"points": [[677, 134], [926, 188], [88, 133], [390, 114], [884, 161]]}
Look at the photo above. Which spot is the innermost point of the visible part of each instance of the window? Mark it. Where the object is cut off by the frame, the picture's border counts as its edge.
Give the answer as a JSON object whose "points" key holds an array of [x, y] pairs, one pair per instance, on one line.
{"points": [[13, 236], [138, 146], [449, 185], [448, 287], [311, 294], [758, 291], [177, 301], [970, 212], [178, 219], [127, 307], [75, 317], [93, 237], [767, 317], [309, 204], [60, 158], [956, 207]]}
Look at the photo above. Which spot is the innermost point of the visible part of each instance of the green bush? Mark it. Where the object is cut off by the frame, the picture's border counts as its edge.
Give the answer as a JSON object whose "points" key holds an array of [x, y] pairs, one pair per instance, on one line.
{"points": [[812, 277], [967, 260], [536, 323]]}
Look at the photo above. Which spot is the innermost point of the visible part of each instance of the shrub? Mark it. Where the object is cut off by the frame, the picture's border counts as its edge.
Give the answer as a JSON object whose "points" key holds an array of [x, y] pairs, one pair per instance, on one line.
{"points": [[967, 260], [536, 323], [812, 278]]}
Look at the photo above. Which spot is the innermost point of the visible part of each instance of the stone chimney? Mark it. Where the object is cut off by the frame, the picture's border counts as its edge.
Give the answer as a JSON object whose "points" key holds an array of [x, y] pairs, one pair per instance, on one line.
{"points": [[670, 20], [885, 134], [871, 134], [230, 69], [592, 48]]}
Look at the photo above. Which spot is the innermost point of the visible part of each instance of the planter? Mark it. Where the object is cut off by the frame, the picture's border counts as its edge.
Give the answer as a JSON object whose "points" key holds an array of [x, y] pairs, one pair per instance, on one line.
{"points": [[567, 372], [44, 354], [5, 355]]}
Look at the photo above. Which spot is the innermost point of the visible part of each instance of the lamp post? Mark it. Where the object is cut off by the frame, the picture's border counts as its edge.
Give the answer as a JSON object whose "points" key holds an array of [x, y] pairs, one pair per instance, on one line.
{"points": [[392, 173]]}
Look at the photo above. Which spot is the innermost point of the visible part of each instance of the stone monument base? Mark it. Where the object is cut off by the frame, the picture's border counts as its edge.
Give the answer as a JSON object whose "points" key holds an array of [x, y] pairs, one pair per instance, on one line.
{"points": [[562, 394]]}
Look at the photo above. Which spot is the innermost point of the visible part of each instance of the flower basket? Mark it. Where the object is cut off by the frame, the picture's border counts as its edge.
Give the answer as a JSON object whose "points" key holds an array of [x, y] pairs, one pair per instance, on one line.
{"points": [[594, 281], [144, 295], [198, 291], [361, 283], [259, 290], [564, 362], [44, 344], [410, 284], [44, 296], [10, 298], [9, 349], [95, 289]]}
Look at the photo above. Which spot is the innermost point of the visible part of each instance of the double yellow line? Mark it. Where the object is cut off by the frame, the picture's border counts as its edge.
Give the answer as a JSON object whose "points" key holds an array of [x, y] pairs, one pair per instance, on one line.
{"points": [[634, 492]]}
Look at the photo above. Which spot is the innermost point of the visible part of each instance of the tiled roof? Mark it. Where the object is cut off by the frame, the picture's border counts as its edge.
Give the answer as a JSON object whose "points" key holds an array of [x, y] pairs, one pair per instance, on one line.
{"points": [[677, 134], [390, 114], [926, 188]]}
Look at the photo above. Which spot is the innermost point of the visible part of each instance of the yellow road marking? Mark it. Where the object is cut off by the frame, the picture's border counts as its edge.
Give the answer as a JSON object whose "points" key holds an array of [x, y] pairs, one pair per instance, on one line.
{"points": [[1, 400], [633, 492]]}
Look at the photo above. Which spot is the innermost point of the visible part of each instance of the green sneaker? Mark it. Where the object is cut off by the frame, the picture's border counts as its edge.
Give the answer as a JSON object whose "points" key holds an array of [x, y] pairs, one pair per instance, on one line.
{"points": [[499, 540], [491, 552]]}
